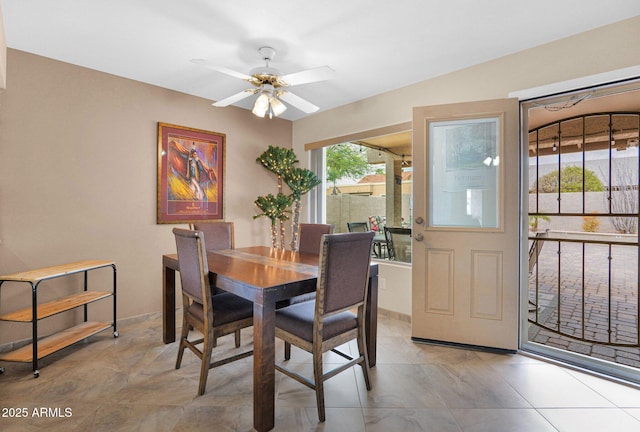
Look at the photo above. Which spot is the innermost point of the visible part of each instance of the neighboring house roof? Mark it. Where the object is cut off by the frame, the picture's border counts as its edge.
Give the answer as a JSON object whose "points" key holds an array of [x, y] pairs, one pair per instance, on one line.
{"points": [[381, 178]]}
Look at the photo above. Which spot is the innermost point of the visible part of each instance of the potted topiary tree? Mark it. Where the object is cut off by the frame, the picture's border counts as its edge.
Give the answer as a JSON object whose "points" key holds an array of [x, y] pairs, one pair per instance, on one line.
{"points": [[300, 181], [281, 162], [275, 208]]}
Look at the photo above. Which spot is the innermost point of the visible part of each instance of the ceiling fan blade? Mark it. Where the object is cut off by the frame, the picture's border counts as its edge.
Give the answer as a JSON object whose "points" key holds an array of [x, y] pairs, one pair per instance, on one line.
{"points": [[298, 102], [321, 73], [235, 98], [222, 69]]}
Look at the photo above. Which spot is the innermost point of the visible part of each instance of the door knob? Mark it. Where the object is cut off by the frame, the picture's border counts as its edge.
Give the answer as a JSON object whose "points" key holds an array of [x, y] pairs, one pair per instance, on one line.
{"points": [[419, 237], [419, 220]]}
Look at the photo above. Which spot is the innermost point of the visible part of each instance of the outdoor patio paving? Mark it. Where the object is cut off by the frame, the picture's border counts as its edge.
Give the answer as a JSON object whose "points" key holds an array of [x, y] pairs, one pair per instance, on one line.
{"points": [[601, 316]]}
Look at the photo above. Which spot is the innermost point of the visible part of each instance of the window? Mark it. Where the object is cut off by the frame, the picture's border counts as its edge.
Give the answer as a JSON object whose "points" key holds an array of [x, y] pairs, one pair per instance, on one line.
{"points": [[367, 180], [464, 173]]}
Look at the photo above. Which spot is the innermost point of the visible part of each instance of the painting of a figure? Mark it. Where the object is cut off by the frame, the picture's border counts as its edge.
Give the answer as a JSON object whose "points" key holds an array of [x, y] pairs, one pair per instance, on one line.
{"points": [[190, 174], [190, 177]]}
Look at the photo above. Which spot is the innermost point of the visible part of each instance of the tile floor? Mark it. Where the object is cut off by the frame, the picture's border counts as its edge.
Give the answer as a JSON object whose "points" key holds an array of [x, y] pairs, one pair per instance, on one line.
{"points": [[130, 383]]}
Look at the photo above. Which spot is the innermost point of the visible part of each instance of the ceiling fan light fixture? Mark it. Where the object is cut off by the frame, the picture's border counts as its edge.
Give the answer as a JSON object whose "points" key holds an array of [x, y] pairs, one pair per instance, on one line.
{"points": [[268, 84], [261, 105], [277, 107]]}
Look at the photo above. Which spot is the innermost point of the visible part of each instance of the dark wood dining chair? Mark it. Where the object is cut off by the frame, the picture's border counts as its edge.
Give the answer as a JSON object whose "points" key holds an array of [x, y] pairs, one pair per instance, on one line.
{"points": [[326, 323], [311, 237], [310, 240], [217, 236], [212, 315]]}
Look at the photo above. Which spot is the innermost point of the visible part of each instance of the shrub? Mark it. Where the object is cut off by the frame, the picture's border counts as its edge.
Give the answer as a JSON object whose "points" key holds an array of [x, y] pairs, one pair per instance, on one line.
{"points": [[590, 223], [570, 181], [534, 221]]}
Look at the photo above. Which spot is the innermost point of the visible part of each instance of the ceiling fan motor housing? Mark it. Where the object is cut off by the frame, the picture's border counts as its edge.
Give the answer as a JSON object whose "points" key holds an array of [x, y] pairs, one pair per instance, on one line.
{"points": [[266, 74]]}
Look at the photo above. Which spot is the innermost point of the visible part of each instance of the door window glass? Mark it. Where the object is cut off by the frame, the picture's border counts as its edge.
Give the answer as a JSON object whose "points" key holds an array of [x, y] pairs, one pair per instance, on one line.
{"points": [[464, 173]]}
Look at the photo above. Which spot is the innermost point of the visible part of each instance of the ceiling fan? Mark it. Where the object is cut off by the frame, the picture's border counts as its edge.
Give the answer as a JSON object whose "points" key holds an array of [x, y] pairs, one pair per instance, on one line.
{"points": [[271, 86]]}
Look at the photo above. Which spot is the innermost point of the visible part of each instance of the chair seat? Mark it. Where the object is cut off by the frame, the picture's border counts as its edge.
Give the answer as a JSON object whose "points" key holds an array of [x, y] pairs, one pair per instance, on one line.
{"points": [[227, 308], [303, 298], [298, 320], [297, 299]]}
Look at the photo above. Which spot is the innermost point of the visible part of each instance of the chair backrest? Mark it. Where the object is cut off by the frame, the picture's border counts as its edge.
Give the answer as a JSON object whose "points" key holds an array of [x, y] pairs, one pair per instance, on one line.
{"points": [[387, 236], [357, 226], [192, 263], [536, 247], [343, 271], [311, 237], [397, 238], [218, 235]]}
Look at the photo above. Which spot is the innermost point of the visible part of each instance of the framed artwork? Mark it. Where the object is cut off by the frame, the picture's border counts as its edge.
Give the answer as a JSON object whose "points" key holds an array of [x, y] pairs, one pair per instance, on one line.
{"points": [[190, 174]]}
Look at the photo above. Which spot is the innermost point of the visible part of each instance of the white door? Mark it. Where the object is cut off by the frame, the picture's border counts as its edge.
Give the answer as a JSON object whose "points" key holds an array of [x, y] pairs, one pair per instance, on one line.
{"points": [[466, 223]]}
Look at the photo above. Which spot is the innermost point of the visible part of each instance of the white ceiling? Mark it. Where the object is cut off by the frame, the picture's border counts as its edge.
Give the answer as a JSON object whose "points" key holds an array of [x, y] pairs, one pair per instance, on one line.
{"points": [[373, 45]]}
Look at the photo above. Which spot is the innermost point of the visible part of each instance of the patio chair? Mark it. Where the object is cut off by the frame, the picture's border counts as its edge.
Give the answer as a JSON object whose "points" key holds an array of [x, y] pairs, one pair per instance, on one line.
{"points": [[357, 226], [398, 243]]}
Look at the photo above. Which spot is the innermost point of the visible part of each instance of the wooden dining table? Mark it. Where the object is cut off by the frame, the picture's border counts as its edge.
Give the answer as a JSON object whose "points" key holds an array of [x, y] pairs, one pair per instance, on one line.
{"points": [[264, 276]]}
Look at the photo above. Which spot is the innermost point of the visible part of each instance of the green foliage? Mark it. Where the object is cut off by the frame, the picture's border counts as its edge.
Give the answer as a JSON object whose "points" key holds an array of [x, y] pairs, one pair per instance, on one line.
{"points": [[345, 160], [535, 220], [300, 181], [281, 161], [274, 207], [278, 160], [570, 181]]}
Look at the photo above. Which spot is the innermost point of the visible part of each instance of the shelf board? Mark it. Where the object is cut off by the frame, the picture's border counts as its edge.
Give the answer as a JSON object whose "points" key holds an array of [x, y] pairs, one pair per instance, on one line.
{"points": [[56, 342], [56, 306], [38, 275]]}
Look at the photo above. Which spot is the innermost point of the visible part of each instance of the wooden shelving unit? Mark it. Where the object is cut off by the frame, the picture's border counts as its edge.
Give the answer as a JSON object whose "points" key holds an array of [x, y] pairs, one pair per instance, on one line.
{"points": [[40, 348]]}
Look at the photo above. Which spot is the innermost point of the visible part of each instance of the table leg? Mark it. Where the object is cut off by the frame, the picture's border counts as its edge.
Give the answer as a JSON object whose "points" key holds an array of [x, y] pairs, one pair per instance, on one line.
{"points": [[168, 304], [371, 319], [264, 366]]}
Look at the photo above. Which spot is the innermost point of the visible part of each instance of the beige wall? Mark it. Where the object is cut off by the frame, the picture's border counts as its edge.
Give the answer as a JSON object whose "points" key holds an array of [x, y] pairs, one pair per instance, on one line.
{"points": [[3, 54], [394, 279], [78, 177]]}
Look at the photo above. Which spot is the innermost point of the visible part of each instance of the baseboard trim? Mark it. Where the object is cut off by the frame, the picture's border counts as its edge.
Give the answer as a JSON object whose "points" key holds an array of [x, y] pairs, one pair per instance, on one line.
{"points": [[395, 315]]}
